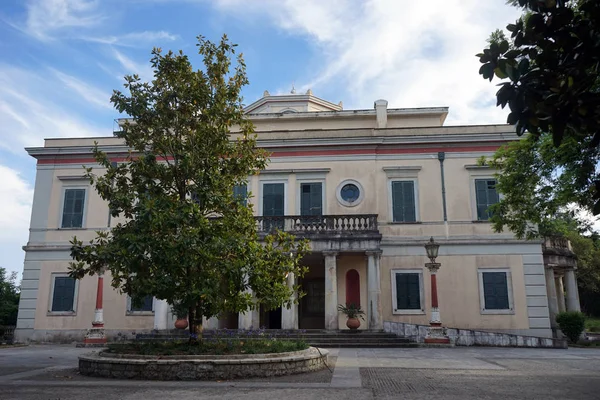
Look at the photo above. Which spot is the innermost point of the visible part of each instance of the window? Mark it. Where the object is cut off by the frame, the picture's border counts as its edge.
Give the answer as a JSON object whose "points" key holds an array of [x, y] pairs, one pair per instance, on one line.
{"points": [[73, 205], [407, 292], [495, 291], [144, 304], [485, 196], [240, 192], [63, 293], [311, 198], [350, 193], [403, 201]]}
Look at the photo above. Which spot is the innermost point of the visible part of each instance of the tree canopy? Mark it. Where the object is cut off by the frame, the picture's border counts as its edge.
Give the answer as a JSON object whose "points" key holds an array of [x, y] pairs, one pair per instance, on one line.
{"points": [[548, 69], [183, 235], [9, 297]]}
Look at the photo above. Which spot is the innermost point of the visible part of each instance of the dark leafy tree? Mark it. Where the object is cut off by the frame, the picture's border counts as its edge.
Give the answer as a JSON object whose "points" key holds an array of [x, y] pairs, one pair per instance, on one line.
{"points": [[184, 237], [9, 297]]}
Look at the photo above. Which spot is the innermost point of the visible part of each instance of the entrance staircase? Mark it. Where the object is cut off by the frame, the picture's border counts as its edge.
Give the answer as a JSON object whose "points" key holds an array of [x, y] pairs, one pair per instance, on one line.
{"points": [[314, 337]]}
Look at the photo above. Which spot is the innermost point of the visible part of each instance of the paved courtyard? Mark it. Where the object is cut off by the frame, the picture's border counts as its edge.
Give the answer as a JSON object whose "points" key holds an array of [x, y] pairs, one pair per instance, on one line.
{"points": [[49, 372]]}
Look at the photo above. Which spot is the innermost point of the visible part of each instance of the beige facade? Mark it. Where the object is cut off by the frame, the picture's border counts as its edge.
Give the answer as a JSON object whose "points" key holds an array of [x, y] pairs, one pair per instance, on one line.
{"points": [[313, 141]]}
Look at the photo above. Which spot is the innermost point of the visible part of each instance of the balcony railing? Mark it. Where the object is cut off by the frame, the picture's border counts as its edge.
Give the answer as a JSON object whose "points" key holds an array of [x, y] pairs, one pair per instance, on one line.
{"points": [[320, 224], [556, 242]]}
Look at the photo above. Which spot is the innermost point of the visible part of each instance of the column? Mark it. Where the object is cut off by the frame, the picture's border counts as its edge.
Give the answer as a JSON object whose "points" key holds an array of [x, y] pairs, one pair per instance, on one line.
{"points": [[210, 323], [552, 298], [289, 316], [572, 296], [560, 293], [161, 313], [96, 335], [331, 298], [374, 290], [251, 318], [436, 334]]}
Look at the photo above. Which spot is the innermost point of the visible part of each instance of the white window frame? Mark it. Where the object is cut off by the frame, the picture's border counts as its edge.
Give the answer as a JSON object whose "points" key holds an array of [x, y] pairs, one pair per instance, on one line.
{"points": [[511, 307], [53, 277], [264, 181], [391, 199], [129, 311], [397, 311], [62, 205], [361, 195]]}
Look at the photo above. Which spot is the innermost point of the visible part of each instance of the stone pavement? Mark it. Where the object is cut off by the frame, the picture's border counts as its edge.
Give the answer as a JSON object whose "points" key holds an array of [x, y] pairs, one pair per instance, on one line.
{"points": [[49, 372]]}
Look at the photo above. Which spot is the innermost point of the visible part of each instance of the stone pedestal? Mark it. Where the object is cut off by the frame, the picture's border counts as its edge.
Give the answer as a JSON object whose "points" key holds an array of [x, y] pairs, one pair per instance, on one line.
{"points": [[436, 334], [96, 336]]}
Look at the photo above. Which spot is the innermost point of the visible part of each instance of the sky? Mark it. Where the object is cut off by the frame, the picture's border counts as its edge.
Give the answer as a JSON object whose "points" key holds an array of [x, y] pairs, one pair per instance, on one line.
{"points": [[60, 60]]}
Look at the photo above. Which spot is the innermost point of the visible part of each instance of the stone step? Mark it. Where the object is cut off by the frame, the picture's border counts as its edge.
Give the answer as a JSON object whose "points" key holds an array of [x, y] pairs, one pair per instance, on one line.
{"points": [[365, 345]]}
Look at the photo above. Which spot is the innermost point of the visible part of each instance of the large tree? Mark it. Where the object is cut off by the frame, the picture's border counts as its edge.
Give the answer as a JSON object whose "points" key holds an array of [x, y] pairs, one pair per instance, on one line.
{"points": [[184, 236], [9, 297], [549, 71]]}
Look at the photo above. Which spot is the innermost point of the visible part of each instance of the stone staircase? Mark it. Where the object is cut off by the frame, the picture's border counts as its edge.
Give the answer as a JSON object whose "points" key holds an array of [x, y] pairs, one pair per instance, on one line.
{"points": [[314, 337]]}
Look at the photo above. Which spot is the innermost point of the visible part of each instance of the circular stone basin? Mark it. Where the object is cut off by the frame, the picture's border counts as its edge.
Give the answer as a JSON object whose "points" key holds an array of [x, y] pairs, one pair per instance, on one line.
{"points": [[201, 367]]}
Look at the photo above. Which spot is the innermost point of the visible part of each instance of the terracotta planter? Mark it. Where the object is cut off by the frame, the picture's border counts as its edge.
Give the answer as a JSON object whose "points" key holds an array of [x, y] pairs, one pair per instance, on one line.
{"points": [[353, 323], [181, 323]]}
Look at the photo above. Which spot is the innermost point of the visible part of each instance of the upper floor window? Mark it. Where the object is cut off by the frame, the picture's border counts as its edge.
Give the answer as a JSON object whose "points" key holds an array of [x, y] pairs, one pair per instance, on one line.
{"points": [[73, 208], [404, 208], [485, 196], [240, 192], [63, 294], [350, 193], [311, 198]]}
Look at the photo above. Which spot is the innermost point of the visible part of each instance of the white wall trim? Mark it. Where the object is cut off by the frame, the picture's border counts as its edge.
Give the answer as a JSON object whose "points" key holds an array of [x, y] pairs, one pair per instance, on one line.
{"points": [[395, 310]]}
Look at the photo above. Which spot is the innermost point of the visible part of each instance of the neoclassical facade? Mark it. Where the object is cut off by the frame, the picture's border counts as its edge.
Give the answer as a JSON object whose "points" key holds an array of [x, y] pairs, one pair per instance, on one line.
{"points": [[367, 188]]}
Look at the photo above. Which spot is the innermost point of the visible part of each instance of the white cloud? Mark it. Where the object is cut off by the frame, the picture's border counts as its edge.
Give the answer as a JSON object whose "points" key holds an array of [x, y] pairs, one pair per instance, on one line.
{"points": [[413, 53], [34, 107], [45, 18], [89, 92], [144, 70], [134, 39], [16, 196]]}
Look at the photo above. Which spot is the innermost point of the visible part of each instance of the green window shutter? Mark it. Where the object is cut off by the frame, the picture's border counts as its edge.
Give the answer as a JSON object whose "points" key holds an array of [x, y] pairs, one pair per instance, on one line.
{"points": [[485, 196], [240, 192], [311, 199], [408, 291], [73, 208], [403, 201], [273, 199], [495, 291], [64, 294]]}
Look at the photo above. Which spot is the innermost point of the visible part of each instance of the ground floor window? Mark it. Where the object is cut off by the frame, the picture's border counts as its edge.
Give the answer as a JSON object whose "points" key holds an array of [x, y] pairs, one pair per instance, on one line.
{"points": [[142, 305], [63, 294], [495, 291], [407, 291]]}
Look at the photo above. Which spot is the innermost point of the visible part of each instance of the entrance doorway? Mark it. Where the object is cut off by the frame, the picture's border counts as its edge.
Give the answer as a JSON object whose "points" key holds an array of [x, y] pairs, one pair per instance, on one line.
{"points": [[311, 309], [270, 319]]}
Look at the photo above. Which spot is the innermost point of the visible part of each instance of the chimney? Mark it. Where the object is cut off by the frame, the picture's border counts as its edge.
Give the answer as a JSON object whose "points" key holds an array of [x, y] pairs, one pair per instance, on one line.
{"points": [[381, 110]]}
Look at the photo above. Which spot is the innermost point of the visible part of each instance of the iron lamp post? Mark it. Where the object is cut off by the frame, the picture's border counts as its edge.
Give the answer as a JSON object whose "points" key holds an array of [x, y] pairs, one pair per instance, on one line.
{"points": [[436, 334]]}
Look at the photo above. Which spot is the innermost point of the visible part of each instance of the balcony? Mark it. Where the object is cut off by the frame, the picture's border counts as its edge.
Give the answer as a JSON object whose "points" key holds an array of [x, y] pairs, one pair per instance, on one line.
{"points": [[322, 226], [558, 253]]}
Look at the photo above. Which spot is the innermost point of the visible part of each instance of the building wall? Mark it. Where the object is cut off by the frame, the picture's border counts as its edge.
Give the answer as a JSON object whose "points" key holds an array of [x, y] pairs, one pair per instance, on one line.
{"points": [[467, 246]]}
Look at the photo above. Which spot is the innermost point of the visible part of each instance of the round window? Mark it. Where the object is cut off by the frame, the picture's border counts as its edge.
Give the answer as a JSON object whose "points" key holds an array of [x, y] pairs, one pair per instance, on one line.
{"points": [[350, 192]]}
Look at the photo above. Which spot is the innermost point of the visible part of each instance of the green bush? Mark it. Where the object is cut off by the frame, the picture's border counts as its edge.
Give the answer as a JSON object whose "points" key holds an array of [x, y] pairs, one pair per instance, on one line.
{"points": [[572, 324]]}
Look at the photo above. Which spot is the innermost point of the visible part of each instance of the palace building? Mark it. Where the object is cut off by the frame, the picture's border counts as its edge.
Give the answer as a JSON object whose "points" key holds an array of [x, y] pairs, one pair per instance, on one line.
{"points": [[367, 188]]}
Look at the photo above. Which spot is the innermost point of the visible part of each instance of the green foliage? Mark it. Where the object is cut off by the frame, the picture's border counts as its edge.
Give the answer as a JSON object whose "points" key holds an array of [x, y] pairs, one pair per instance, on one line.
{"points": [[572, 324], [592, 324], [180, 310], [550, 66], [539, 180], [217, 346], [183, 236], [351, 311], [9, 297]]}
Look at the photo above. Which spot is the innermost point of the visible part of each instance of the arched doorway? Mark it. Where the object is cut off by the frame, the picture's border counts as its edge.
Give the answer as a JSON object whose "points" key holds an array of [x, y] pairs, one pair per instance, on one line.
{"points": [[353, 287]]}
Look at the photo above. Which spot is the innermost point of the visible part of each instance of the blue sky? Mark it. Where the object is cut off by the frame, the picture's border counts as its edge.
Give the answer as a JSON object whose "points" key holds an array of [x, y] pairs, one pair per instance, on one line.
{"points": [[61, 59]]}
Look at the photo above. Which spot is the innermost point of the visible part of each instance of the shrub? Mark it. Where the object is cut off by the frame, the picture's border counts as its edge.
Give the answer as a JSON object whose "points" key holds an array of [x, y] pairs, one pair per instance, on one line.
{"points": [[572, 324]]}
